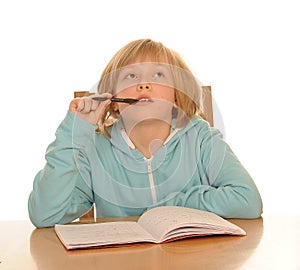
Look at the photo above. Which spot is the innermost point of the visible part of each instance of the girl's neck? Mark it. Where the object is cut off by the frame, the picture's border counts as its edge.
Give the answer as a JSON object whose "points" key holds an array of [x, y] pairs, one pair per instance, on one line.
{"points": [[149, 135]]}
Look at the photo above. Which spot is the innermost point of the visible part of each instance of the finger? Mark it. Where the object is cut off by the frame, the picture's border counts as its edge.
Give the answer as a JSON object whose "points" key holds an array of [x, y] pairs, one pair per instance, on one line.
{"points": [[80, 104], [75, 104], [87, 104], [95, 104], [101, 108], [106, 95]]}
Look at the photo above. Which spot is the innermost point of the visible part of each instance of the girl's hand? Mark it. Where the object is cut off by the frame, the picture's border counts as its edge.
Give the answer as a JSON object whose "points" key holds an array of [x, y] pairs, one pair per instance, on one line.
{"points": [[88, 109]]}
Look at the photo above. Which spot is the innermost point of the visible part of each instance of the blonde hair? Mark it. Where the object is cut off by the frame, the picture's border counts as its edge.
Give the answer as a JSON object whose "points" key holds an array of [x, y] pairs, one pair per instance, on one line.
{"points": [[187, 90]]}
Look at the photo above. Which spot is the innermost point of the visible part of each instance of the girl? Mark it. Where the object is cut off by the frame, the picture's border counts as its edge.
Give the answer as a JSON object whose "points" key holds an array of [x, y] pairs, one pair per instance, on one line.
{"points": [[129, 157]]}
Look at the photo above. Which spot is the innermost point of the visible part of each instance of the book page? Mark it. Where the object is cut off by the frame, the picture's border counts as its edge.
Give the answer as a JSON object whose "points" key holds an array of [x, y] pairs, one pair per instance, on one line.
{"points": [[97, 234], [162, 220]]}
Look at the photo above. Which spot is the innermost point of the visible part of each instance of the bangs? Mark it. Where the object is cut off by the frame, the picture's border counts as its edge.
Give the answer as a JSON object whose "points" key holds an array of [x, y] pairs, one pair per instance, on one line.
{"points": [[144, 51]]}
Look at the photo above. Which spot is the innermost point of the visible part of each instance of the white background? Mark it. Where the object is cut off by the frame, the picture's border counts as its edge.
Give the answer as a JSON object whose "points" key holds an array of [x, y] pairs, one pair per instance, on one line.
{"points": [[247, 50]]}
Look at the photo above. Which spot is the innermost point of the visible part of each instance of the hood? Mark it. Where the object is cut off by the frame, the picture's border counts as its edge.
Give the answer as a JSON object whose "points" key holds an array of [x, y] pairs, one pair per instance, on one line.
{"points": [[122, 143]]}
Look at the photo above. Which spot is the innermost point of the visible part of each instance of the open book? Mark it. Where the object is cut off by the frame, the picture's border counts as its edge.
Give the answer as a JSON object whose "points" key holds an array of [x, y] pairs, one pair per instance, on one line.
{"points": [[158, 225]]}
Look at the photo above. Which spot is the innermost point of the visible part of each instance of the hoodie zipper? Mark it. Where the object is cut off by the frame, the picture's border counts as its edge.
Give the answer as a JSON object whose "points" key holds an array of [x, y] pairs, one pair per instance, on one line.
{"points": [[148, 160], [151, 180]]}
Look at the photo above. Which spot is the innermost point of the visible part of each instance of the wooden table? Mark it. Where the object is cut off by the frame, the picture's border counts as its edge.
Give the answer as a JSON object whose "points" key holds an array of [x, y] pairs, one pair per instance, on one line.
{"points": [[271, 243]]}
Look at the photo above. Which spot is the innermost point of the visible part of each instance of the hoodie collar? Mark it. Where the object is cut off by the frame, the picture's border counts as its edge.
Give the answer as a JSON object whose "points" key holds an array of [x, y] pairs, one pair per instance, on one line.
{"points": [[121, 140], [132, 146]]}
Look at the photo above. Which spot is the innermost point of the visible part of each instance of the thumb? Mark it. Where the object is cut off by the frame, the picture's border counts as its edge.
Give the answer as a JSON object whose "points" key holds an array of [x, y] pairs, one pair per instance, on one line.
{"points": [[75, 105]]}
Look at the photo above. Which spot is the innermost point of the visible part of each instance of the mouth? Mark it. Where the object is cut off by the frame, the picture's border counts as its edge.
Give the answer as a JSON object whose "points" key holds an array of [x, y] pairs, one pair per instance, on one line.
{"points": [[144, 99]]}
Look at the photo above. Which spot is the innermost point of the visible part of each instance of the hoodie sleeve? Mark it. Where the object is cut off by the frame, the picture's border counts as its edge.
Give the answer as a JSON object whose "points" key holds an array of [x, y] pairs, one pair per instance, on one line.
{"points": [[62, 189], [225, 187]]}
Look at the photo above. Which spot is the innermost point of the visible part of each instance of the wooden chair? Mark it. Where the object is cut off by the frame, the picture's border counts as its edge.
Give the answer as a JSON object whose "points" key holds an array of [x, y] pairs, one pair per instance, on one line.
{"points": [[208, 114], [207, 104]]}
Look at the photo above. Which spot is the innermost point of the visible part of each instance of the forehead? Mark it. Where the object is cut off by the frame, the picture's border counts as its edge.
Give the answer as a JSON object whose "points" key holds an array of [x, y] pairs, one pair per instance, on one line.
{"points": [[146, 66]]}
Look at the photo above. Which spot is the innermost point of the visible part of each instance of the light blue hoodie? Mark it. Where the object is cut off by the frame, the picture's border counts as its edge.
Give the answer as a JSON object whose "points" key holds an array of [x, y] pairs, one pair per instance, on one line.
{"points": [[194, 168]]}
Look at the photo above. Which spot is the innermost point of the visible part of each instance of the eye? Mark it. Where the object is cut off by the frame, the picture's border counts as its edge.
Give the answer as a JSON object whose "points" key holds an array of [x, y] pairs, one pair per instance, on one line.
{"points": [[130, 76], [158, 75]]}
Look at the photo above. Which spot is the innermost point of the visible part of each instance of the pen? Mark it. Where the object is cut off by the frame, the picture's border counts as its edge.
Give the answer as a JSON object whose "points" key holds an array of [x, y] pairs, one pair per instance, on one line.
{"points": [[124, 100]]}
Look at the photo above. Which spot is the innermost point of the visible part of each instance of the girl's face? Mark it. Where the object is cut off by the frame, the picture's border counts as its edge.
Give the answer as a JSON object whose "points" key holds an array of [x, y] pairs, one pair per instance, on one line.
{"points": [[147, 81]]}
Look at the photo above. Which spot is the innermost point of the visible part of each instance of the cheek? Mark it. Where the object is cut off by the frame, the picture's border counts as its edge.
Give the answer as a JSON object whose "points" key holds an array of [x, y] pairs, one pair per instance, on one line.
{"points": [[127, 92], [168, 94]]}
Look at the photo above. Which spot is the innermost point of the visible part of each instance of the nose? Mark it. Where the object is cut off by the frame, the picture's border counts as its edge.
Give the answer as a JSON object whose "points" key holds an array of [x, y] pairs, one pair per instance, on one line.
{"points": [[144, 87]]}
